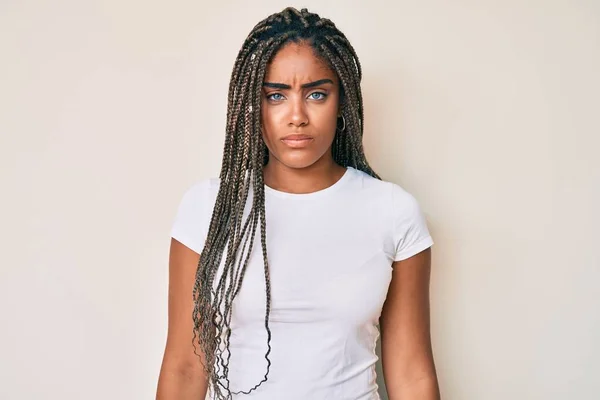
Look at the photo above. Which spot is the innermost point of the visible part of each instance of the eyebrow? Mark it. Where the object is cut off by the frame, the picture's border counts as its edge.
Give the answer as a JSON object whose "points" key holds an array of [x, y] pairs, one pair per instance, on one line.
{"points": [[304, 86]]}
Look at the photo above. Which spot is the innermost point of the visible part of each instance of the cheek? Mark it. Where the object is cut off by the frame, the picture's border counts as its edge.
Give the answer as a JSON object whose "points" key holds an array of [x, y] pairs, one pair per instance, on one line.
{"points": [[330, 121], [324, 120], [268, 127]]}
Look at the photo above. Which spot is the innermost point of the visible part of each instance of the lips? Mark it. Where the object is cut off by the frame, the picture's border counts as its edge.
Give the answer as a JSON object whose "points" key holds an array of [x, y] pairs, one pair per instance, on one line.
{"points": [[297, 140]]}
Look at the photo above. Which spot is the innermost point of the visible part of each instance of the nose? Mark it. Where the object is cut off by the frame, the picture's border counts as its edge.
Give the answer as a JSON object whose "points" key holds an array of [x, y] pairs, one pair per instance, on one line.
{"points": [[298, 115]]}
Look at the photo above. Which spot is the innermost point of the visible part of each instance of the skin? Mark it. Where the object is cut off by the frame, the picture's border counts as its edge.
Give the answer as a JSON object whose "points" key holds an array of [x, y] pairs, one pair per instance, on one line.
{"points": [[407, 359], [181, 374], [304, 110], [406, 351]]}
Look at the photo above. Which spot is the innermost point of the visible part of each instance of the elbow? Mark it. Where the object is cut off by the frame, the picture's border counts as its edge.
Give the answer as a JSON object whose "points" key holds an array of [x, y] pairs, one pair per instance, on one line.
{"points": [[187, 370], [423, 388]]}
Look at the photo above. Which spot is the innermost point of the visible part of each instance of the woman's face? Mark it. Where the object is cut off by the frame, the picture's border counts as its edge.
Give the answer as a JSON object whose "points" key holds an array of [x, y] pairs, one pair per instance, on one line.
{"points": [[300, 103]]}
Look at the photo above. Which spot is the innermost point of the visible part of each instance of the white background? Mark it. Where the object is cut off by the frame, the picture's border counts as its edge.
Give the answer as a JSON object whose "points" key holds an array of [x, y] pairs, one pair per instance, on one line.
{"points": [[487, 111]]}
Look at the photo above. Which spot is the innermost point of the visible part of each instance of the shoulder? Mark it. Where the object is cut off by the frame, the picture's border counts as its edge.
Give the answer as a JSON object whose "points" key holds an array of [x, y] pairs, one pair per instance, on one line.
{"points": [[394, 196], [390, 200], [398, 211], [194, 212], [198, 199]]}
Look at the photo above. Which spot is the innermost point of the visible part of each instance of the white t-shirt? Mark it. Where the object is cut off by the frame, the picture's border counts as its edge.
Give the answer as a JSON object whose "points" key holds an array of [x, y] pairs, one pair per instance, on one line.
{"points": [[330, 256]]}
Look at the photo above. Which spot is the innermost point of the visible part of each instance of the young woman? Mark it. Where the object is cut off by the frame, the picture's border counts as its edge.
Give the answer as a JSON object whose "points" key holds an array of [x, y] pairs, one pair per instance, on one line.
{"points": [[284, 268]]}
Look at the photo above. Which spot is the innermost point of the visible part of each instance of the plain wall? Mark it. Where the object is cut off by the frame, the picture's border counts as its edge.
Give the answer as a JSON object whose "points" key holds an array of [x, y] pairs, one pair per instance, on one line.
{"points": [[487, 111]]}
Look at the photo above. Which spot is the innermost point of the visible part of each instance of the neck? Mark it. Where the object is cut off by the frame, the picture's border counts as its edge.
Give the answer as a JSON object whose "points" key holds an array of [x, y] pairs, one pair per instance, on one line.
{"points": [[315, 177]]}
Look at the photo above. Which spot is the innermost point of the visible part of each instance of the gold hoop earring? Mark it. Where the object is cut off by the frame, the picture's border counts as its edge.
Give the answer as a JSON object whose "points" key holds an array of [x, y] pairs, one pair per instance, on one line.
{"points": [[344, 122]]}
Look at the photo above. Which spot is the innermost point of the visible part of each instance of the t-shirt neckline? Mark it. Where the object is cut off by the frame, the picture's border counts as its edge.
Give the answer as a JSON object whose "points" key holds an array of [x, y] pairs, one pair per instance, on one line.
{"points": [[323, 192]]}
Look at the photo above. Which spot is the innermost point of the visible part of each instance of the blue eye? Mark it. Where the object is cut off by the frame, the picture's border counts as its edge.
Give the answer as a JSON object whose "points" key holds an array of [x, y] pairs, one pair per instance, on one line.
{"points": [[322, 96], [272, 97]]}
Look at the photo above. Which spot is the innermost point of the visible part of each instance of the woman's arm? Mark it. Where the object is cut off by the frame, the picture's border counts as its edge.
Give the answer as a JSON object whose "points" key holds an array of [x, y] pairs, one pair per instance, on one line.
{"points": [[182, 375], [407, 358]]}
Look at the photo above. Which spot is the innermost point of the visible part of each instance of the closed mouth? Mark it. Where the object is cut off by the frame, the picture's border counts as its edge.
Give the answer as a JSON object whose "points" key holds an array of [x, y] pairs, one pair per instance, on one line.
{"points": [[297, 137], [297, 141]]}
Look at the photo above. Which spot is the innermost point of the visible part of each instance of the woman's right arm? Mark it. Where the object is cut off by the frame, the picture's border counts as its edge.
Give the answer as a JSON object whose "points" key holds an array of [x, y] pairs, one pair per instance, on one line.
{"points": [[182, 376]]}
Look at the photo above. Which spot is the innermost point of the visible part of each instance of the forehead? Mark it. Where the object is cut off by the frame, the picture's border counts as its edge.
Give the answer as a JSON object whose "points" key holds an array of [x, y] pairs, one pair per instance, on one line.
{"points": [[297, 62]]}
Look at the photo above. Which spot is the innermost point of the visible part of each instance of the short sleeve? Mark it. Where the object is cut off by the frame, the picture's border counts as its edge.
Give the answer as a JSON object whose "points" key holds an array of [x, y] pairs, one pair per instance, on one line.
{"points": [[193, 216], [411, 234]]}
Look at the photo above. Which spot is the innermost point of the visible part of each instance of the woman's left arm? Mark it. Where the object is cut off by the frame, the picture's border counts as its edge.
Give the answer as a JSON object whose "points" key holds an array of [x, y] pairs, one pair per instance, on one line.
{"points": [[406, 353]]}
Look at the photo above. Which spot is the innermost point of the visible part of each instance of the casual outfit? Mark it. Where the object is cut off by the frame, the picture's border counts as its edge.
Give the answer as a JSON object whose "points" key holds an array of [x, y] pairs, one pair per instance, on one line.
{"points": [[330, 257]]}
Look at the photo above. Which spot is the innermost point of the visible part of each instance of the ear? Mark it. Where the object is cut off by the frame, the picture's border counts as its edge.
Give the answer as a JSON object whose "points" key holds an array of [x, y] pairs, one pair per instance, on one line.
{"points": [[340, 107], [341, 98]]}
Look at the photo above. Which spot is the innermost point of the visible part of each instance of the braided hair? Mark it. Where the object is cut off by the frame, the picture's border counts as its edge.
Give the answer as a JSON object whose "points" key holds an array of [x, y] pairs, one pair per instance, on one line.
{"points": [[244, 156]]}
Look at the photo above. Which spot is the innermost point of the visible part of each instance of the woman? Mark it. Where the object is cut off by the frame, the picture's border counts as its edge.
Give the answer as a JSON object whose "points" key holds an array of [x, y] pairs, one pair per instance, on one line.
{"points": [[298, 250]]}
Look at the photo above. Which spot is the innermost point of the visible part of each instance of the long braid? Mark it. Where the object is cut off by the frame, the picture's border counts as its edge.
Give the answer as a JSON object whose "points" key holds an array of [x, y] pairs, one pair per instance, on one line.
{"points": [[219, 281]]}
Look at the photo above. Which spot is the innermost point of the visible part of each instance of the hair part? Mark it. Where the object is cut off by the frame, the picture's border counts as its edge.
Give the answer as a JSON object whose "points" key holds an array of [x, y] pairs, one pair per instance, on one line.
{"points": [[218, 281]]}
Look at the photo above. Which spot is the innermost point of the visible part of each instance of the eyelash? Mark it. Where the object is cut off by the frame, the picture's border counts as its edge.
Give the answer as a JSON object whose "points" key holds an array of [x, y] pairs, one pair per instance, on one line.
{"points": [[323, 96]]}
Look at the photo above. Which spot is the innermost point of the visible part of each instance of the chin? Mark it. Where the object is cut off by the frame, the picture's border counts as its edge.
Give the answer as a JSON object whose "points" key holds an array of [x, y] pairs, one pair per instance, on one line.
{"points": [[297, 161]]}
